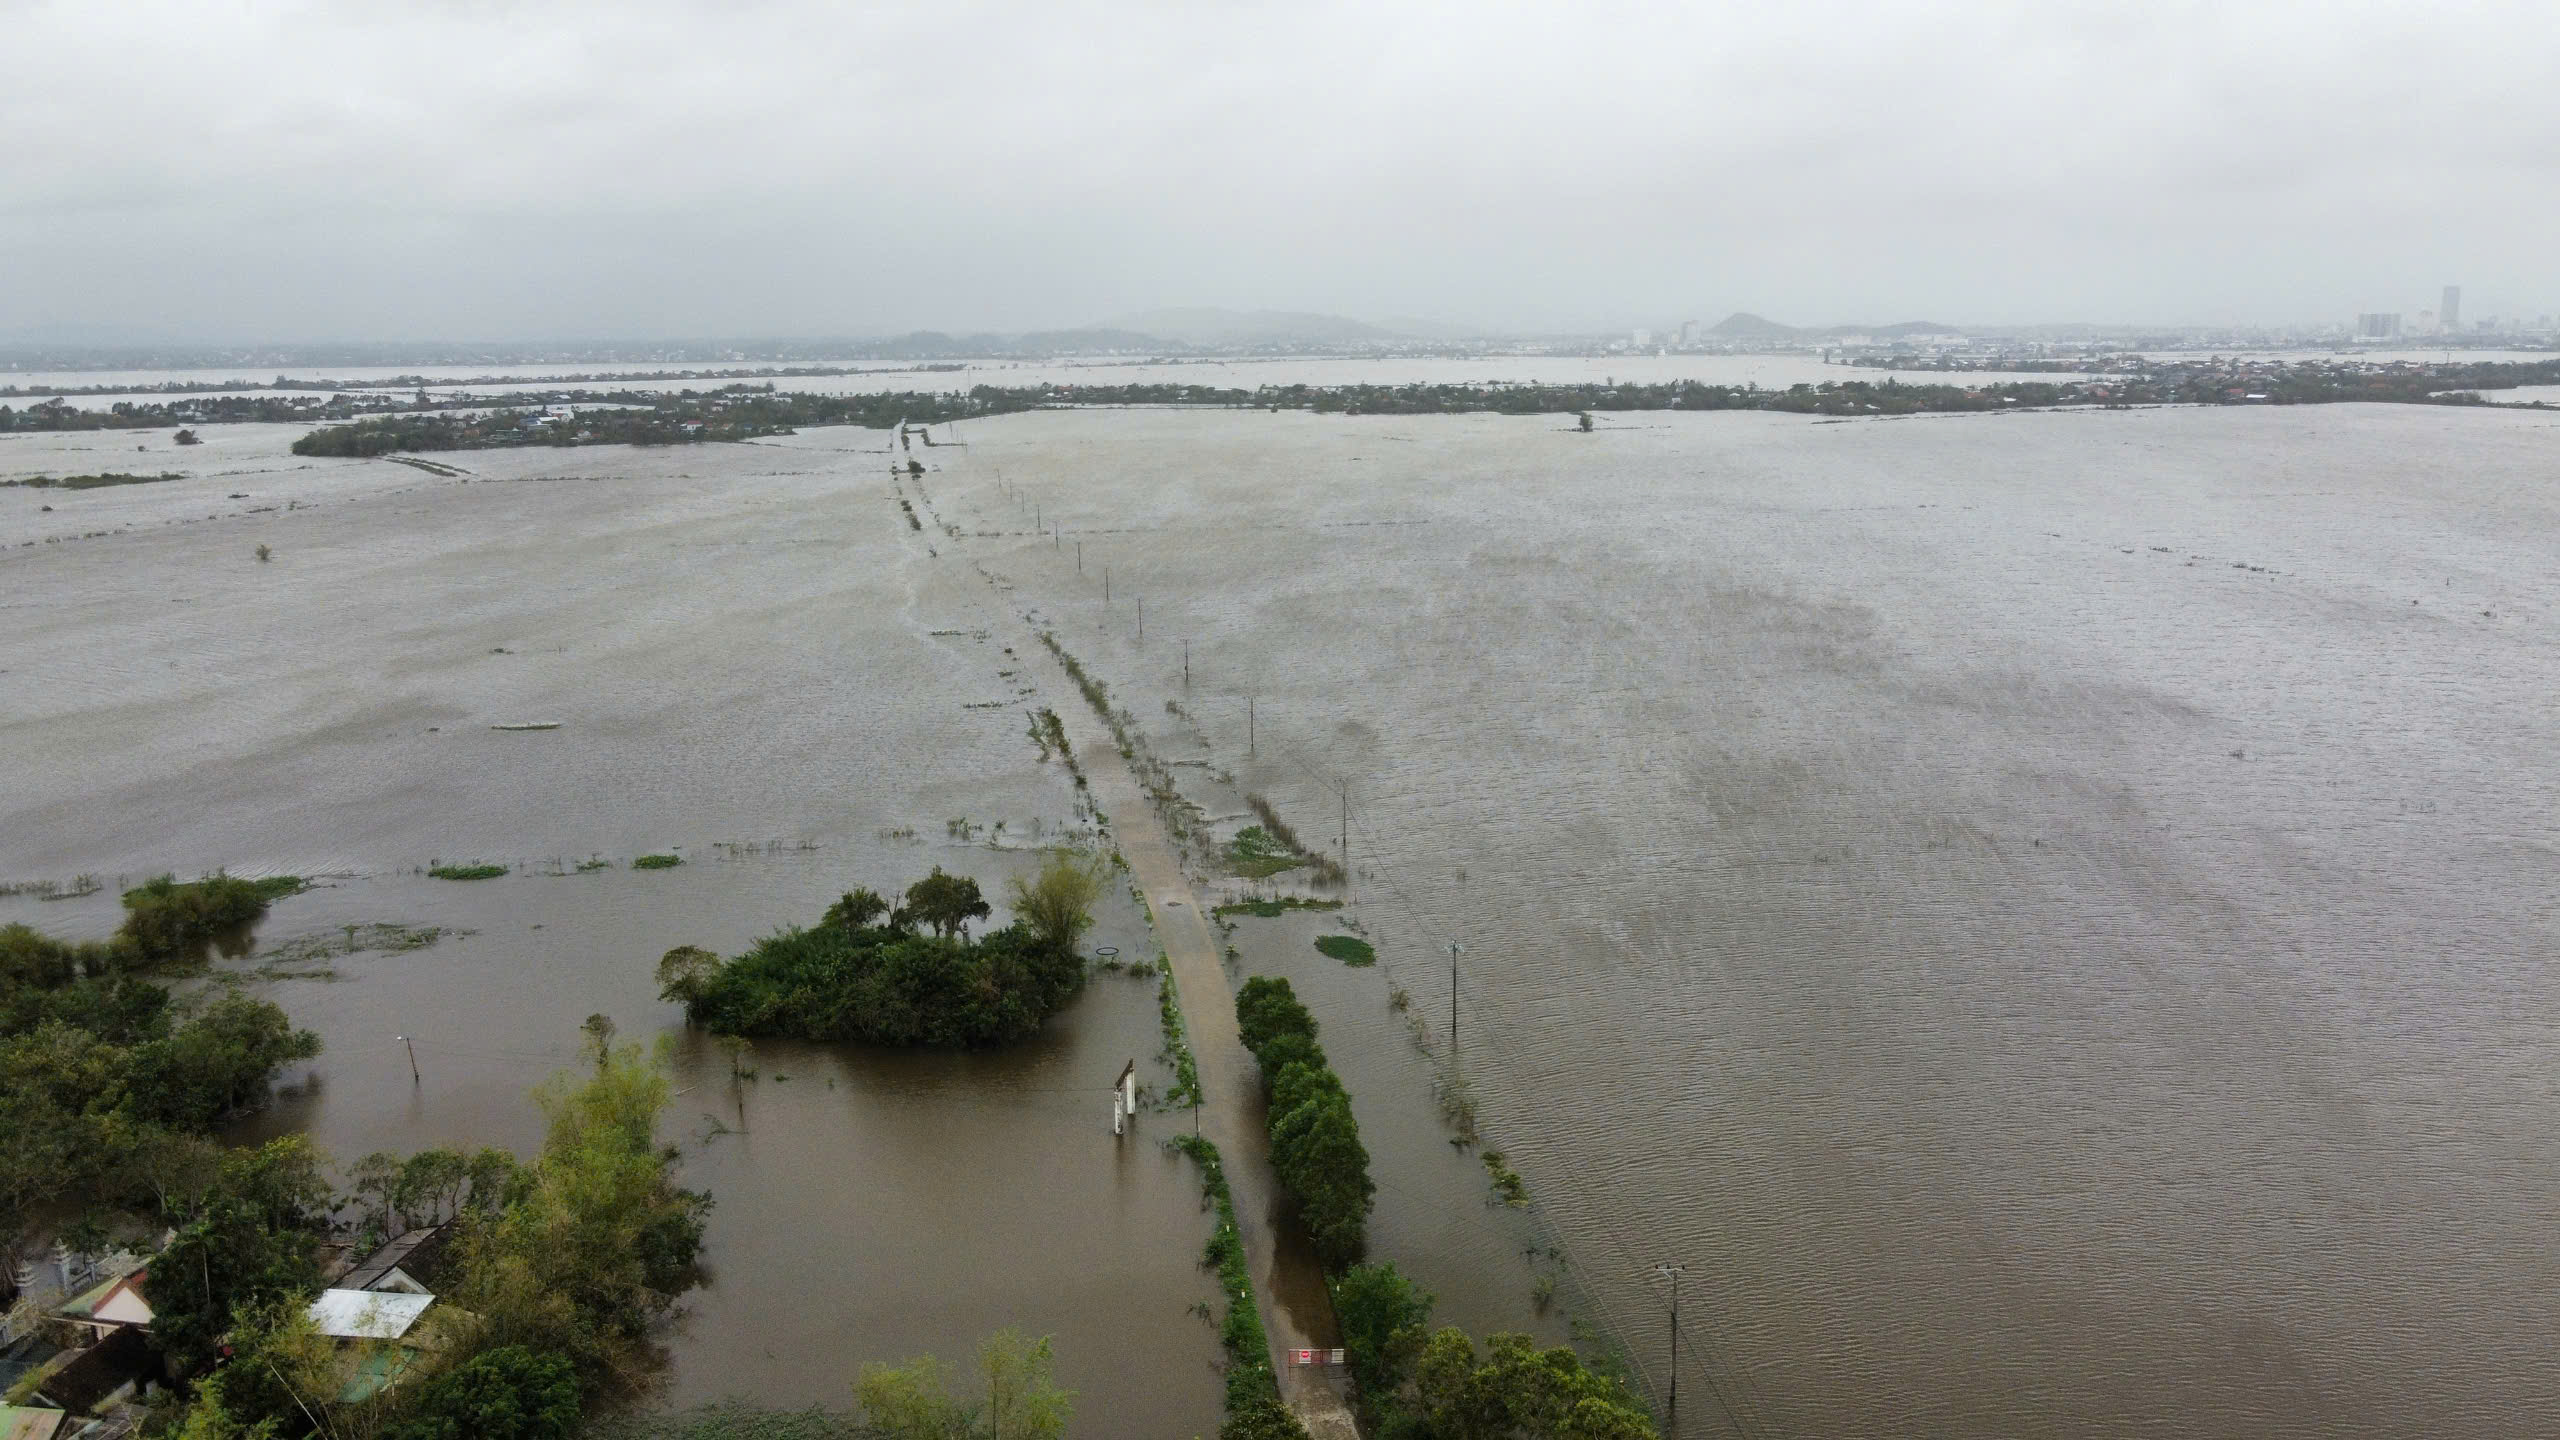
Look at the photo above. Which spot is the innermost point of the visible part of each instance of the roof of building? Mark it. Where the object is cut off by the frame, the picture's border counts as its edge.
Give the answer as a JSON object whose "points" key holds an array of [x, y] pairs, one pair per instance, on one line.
{"points": [[367, 1314], [413, 1252], [28, 1422], [94, 1374], [86, 1303]]}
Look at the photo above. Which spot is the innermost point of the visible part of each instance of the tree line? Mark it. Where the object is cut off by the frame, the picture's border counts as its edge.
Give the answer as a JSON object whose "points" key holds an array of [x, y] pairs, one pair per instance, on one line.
{"points": [[1315, 1141]]}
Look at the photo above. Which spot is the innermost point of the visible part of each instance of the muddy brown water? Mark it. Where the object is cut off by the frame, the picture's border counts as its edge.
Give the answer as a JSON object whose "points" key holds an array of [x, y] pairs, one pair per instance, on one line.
{"points": [[2026, 909]]}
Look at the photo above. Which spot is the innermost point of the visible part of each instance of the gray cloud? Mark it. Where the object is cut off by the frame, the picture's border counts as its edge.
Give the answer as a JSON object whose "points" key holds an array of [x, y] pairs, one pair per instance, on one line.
{"points": [[636, 168]]}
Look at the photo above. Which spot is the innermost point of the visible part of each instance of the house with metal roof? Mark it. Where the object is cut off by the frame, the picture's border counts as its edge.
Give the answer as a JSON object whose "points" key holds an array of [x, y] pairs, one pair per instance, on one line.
{"points": [[379, 1336], [367, 1314], [410, 1263]]}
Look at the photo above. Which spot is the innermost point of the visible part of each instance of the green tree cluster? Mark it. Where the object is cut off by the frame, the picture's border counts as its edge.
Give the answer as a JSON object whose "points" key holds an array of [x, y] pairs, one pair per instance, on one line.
{"points": [[1415, 1384], [392, 1194], [1315, 1141], [908, 975], [508, 1393], [165, 919], [103, 1078], [248, 1237], [1012, 1397], [1515, 1391]]}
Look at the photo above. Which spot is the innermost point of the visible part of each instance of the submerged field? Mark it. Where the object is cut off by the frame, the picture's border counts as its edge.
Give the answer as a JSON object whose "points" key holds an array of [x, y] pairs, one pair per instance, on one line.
{"points": [[2041, 914]]}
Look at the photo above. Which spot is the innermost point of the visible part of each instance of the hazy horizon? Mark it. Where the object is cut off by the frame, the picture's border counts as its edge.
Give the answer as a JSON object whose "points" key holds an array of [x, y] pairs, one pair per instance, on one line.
{"points": [[652, 171]]}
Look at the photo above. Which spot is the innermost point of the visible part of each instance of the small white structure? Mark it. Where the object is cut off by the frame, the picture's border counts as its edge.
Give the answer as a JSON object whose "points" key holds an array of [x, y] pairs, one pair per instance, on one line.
{"points": [[1124, 1098], [367, 1314]]}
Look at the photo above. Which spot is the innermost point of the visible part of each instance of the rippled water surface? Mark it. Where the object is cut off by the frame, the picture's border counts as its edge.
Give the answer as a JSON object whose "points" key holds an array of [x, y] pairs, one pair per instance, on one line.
{"points": [[2046, 916]]}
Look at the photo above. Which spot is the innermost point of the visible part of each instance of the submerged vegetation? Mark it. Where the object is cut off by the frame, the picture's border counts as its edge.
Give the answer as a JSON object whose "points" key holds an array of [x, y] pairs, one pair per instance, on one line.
{"points": [[1321, 868], [907, 974], [1508, 1187], [1315, 1141], [1252, 1391], [467, 872], [93, 482], [1273, 907], [165, 918], [657, 862], [1257, 855], [1349, 949]]}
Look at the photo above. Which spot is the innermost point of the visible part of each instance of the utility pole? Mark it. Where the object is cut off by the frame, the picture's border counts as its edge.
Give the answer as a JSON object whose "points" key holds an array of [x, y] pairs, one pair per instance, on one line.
{"points": [[1453, 1002], [413, 1059], [1672, 1273], [1186, 664], [1079, 552], [1106, 587], [1346, 834], [1142, 620], [1249, 751]]}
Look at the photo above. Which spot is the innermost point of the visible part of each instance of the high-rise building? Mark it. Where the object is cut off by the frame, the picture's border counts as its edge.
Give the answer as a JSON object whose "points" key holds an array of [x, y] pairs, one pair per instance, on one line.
{"points": [[2449, 314], [2380, 326]]}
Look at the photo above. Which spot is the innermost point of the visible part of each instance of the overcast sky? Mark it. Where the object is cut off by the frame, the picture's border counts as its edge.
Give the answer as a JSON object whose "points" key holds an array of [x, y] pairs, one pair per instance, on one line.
{"points": [[476, 169]]}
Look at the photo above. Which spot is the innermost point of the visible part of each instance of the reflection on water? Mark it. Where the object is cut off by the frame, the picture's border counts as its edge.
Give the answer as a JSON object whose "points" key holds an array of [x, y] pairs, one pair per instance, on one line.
{"points": [[2042, 915]]}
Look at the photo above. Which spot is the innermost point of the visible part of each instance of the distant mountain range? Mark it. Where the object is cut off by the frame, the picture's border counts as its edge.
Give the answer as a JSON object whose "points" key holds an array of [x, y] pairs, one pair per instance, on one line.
{"points": [[1192, 330], [1742, 325]]}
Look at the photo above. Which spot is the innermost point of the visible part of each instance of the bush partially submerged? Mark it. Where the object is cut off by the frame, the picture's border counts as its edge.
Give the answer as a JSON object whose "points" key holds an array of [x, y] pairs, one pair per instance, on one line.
{"points": [[164, 918], [467, 872]]}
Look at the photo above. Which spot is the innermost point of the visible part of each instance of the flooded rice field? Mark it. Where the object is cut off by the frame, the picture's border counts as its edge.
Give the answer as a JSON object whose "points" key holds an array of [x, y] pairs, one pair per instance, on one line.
{"points": [[2045, 916]]}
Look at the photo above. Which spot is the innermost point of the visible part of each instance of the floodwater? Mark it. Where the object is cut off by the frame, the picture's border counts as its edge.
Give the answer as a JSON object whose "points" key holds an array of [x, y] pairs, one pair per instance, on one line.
{"points": [[2045, 916], [747, 671]]}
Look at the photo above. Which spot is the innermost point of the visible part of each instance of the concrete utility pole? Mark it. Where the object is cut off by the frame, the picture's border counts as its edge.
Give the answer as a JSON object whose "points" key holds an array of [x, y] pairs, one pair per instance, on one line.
{"points": [[1346, 834], [1672, 1273], [1186, 664], [1249, 751], [413, 1059], [1453, 1002]]}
